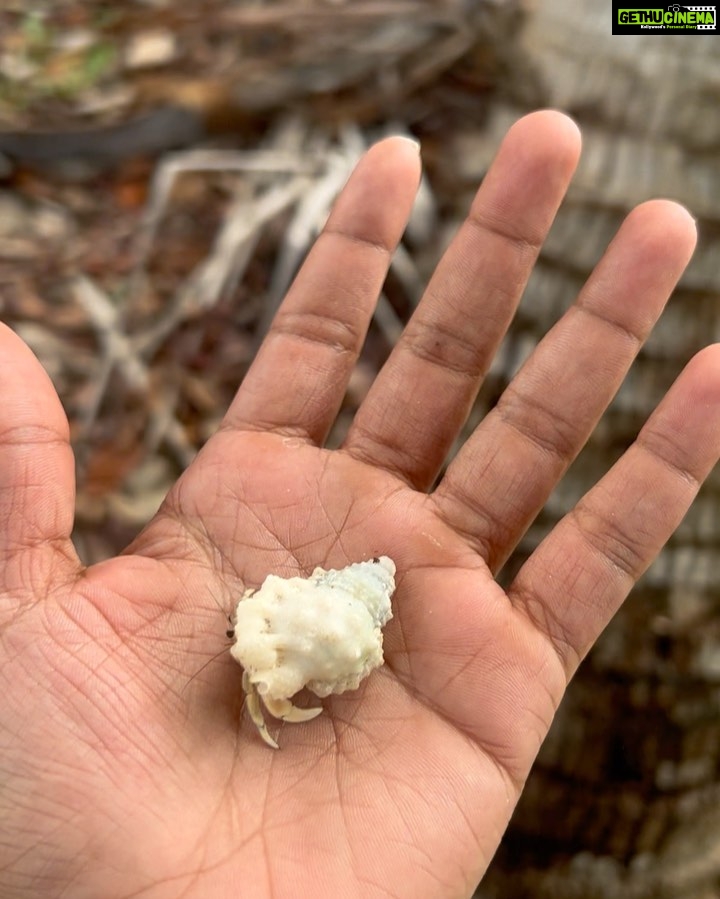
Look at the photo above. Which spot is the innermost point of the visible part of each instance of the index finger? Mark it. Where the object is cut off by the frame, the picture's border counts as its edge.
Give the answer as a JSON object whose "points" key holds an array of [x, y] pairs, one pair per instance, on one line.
{"points": [[297, 382]]}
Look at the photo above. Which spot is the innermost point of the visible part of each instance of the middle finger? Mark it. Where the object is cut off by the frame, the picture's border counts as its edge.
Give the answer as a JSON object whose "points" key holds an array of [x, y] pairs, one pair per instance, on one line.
{"points": [[423, 394]]}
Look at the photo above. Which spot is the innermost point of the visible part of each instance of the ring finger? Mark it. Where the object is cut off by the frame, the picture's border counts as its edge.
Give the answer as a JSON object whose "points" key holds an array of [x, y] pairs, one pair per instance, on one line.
{"points": [[504, 474]]}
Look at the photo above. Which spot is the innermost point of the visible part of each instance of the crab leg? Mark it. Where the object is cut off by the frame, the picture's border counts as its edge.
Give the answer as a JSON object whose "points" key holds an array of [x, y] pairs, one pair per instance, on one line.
{"points": [[254, 708]]}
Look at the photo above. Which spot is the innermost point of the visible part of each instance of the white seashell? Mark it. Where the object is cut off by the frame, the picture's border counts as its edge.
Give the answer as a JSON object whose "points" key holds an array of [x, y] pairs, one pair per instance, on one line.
{"points": [[322, 632]]}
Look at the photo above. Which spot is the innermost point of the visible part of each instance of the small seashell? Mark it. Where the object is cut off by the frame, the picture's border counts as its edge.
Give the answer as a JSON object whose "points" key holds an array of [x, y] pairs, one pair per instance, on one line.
{"points": [[322, 632]]}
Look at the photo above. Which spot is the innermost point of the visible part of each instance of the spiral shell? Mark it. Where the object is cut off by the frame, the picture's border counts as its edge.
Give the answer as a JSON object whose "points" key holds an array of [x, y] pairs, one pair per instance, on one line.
{"points": [[323, 632]]}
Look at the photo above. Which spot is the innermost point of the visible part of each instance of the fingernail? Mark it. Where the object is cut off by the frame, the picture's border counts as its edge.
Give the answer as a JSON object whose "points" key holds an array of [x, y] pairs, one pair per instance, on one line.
{"points": [[411, 140]]}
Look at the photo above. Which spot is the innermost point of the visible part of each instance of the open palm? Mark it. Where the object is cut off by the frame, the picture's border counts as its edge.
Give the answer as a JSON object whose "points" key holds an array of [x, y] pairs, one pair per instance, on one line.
{"points": [[128, 768]]}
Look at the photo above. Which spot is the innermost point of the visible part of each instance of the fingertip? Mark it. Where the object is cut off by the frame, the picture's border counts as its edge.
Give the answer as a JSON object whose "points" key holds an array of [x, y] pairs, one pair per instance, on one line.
{"points": [[703, 372], [669, 220], [685, 428], [405, 143], [647, 257], [554, 118], [529, 176], [552, 130], [29, 396], [376, 202], [399, 151]]}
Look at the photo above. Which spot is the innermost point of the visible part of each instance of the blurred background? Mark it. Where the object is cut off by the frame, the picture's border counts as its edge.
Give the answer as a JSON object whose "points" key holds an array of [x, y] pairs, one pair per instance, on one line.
{"points": [[164, 168]]}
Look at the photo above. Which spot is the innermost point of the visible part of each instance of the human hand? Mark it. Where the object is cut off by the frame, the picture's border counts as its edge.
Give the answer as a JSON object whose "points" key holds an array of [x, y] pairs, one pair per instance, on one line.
{"points": [[128, 769]]}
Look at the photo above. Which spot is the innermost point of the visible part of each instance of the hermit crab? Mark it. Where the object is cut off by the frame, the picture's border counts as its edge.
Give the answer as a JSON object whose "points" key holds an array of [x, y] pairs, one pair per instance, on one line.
{"points": [[323, 632]]}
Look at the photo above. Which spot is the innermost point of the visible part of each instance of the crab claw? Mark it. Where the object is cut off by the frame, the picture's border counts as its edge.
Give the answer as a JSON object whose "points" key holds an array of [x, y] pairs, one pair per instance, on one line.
{"points": [[286, 711], [278, 708]]}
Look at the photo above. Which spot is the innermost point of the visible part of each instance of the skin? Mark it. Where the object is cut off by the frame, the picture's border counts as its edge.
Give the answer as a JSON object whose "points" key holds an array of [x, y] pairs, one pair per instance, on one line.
{"points": [[126, 773]]}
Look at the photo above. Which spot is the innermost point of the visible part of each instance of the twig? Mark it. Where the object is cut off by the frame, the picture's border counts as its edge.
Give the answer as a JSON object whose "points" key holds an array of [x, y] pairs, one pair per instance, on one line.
{"points": [[176, 164], [243, 222], [122, 351]]}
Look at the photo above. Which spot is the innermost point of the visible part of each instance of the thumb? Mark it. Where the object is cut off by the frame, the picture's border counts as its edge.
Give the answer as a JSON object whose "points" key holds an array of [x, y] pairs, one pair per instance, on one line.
{"points": [[37, 480]]}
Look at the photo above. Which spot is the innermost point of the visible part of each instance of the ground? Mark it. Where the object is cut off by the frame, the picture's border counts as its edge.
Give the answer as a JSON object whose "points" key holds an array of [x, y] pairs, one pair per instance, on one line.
{"points": [[146, 311]]}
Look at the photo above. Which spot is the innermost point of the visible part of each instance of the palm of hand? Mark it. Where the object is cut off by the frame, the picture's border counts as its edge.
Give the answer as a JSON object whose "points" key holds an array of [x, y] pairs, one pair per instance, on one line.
{"points": [[159, 742], [130, 768]]}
